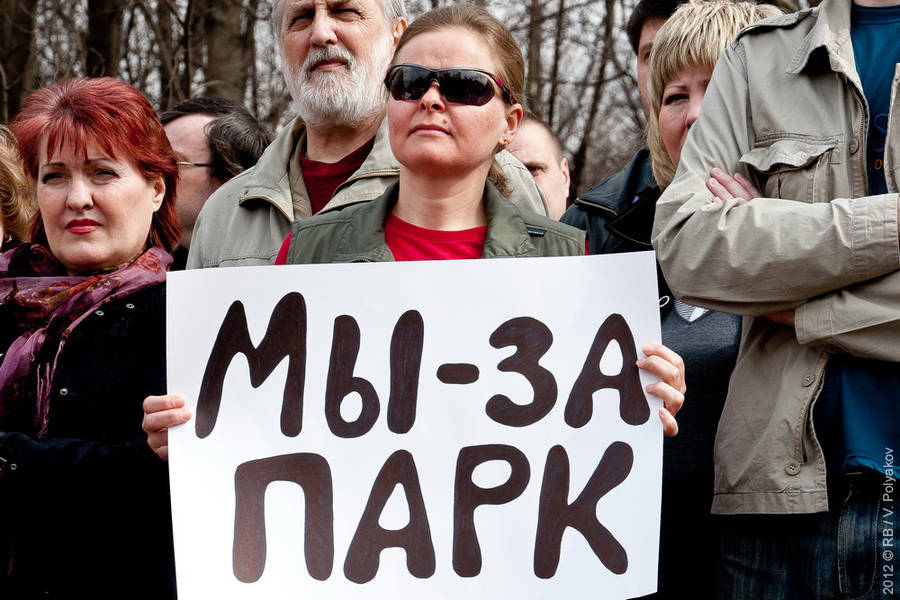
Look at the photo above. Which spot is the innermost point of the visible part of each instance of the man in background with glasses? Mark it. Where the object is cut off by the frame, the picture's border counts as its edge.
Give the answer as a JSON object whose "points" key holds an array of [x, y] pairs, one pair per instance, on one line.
{"points": [[214, 139]]}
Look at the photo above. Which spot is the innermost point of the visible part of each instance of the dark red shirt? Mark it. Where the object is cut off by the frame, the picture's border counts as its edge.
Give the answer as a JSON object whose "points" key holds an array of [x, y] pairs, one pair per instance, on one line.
{"points": [[322, 179]]}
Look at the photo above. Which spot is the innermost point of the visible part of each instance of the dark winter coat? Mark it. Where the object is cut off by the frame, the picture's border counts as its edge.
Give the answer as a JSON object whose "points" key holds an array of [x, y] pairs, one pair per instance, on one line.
{"points": [[86, 509]]}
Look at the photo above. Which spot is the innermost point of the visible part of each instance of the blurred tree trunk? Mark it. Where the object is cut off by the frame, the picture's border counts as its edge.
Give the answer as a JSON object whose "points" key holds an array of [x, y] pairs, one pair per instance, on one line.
{"points": [[535, 39], [165, 42], [251, 55], [16, 62], [226, 44], [554, 69], [606, 39], [191, 50], [103, 43]]}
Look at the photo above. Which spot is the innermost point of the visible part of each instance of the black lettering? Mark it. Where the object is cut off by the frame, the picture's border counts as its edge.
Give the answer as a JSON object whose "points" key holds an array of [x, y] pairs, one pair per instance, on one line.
{"points": [[633, 407], [468, 496], [532, 339], [370, 538], [458, 373], [312, 473], [285, 336], [555, 514], [341, 382], [406, 362]]}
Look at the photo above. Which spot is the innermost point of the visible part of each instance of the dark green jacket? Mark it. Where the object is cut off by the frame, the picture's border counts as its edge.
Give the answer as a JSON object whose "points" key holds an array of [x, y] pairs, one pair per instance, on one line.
{"points": [[356, 233]]}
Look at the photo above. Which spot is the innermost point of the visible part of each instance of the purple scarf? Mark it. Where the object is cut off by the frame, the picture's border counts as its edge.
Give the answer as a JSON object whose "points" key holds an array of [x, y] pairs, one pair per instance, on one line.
{"points": [[45, 305]]}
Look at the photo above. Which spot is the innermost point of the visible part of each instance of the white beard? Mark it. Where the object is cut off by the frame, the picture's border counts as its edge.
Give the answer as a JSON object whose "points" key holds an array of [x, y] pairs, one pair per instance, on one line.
{"points": [[347, 96]]}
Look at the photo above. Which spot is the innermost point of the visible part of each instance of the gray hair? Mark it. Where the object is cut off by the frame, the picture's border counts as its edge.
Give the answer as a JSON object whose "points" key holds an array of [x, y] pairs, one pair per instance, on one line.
{"points": [[393, 10]]}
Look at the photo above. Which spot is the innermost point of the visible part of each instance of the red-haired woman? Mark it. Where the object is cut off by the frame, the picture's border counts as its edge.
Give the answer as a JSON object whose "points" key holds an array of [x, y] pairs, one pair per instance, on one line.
{"points": [[82, 325]]}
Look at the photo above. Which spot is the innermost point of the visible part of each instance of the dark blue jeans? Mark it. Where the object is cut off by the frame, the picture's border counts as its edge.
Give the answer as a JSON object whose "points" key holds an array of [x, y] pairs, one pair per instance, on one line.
{"points": [[839, 555]]}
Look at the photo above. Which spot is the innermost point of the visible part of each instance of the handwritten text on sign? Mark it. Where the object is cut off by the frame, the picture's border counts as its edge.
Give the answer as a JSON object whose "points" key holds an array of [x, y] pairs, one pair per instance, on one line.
{"points": [[472, 427]]}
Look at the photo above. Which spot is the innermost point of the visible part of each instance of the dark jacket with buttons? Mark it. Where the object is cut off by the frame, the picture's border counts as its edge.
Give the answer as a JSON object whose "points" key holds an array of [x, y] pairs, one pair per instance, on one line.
{"points": [[86, 510]]}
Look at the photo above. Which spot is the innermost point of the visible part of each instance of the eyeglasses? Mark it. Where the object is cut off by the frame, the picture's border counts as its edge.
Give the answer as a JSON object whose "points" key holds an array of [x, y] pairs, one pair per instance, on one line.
{"points": [[184, 163], [461, 85]]}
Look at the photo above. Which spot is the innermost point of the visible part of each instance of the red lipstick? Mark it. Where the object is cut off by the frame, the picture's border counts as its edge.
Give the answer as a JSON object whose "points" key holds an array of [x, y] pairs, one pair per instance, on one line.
{"points": [[82, 226]]}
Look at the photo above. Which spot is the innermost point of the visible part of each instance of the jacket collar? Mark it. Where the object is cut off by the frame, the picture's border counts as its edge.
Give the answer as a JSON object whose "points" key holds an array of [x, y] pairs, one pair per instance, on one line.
{"points": [[617, 193], [379, 163], [829, 34], [507, 233], [269, 180], [635, 224]]}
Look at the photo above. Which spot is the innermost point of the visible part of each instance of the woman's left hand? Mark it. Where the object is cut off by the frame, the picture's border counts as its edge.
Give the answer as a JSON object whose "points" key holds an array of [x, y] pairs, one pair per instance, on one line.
{"points": [[725, 187], [669, 367]]}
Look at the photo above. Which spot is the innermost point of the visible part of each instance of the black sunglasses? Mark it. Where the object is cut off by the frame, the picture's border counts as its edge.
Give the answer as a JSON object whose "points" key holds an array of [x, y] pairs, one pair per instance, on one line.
{"points": [[461, 85]]}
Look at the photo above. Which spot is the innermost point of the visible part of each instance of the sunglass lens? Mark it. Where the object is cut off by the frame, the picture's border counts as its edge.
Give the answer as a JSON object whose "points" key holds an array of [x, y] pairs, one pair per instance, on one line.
{"points": [[466, 87], [410, 83]]}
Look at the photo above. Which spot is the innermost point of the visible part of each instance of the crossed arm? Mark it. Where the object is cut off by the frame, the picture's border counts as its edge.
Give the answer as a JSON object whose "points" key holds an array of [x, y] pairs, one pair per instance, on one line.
{"points": [[828, 268]]}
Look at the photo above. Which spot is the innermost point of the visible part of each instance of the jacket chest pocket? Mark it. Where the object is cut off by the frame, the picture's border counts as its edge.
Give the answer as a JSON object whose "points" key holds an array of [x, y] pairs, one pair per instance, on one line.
{"points": [[794, 169]]}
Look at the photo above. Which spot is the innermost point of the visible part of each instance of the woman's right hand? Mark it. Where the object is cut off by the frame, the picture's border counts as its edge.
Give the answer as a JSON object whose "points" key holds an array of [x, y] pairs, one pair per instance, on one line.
{"points": [[160, 413]]}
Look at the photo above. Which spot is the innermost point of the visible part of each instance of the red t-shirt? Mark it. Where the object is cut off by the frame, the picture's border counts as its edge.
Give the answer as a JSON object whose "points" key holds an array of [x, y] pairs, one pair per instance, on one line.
{"points": [[322, 179], [410, 242]]}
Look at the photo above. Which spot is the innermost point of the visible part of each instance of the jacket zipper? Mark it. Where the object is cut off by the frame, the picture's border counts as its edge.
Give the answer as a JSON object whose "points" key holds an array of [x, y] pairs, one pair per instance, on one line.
{"points": [[805, 414]]}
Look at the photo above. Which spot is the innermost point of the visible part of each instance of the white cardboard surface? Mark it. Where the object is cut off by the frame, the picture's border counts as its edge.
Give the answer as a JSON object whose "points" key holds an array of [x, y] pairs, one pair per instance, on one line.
{"points": [[461, 304]]}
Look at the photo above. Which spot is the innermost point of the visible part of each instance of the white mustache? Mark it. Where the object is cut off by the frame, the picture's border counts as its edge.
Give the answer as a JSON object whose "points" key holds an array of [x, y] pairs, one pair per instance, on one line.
{"points": [[330, 53]]}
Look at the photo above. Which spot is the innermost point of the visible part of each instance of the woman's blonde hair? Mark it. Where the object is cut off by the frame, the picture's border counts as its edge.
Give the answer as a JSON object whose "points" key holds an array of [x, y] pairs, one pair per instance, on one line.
{"points": [[694, 36], [510, 62], [16, 202]]}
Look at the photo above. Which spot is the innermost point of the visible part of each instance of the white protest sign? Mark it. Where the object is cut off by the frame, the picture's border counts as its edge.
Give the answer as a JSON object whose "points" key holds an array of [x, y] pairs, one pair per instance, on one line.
{"points": [[451, 429]]}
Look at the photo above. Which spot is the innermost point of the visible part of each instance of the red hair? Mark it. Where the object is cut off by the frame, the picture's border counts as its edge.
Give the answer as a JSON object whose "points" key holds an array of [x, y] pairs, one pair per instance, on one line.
{"points": [[115, 116]]}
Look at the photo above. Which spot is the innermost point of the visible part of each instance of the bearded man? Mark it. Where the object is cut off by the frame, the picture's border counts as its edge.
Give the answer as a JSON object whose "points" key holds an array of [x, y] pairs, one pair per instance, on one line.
{"points": [[336, 152]]}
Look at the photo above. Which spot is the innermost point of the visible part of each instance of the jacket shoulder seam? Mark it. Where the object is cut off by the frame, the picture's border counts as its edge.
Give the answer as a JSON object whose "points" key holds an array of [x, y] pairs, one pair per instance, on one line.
{"points": [[777, 22]]}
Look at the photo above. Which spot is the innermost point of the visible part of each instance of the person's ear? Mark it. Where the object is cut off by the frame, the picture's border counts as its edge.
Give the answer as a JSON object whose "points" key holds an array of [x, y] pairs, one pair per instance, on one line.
{"points": [[159, 191], [514, 116], [397, 29]]}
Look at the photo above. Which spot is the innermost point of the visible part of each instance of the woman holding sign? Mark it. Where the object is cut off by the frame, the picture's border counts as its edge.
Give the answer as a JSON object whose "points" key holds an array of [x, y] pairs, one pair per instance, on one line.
{"points": [[454, 85], [82, 323]]}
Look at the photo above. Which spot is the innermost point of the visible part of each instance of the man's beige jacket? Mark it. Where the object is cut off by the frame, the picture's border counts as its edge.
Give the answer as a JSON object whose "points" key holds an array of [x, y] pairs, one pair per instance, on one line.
{"points": [[244, 222], [785, 107]]}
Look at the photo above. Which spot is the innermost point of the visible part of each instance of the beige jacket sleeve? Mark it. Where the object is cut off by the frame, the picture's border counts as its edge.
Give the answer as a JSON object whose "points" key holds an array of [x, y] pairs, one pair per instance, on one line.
{"points": [[767, 254], [862, 320]]}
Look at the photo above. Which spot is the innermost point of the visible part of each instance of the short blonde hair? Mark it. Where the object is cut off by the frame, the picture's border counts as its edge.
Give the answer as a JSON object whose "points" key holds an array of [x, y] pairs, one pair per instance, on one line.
{"points": [[694, 36], [16, 202]]}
